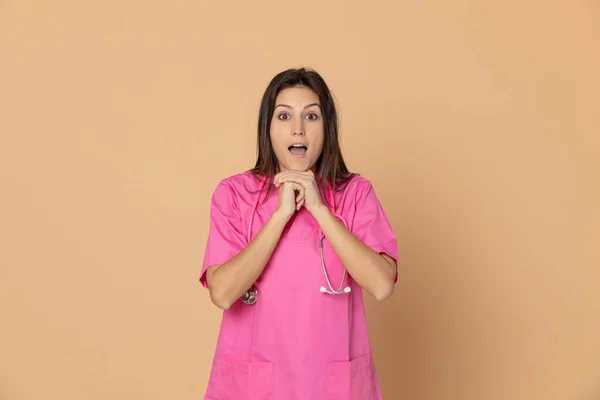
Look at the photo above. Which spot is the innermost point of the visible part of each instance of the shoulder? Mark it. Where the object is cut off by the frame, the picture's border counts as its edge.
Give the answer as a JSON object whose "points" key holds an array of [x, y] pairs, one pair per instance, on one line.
{"points": [[358, 187], [231, 188], [240, 181]]}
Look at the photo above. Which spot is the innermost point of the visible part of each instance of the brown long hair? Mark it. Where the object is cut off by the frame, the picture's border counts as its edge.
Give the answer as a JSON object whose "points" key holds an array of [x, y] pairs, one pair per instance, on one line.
{"points": [[330, 166]]}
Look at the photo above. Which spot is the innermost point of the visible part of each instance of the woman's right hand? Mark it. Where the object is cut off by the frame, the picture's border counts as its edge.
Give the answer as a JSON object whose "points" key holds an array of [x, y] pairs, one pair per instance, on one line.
{"points": [[291, 199]]}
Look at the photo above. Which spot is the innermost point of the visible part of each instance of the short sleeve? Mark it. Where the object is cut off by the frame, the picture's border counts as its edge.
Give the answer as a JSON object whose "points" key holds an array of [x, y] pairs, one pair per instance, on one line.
{"points": [[225, 234], [371, 224]]}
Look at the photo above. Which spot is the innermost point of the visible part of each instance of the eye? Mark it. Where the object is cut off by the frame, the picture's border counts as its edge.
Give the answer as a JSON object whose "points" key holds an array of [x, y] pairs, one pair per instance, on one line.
{"points": [[283, 116], [312, 117]]}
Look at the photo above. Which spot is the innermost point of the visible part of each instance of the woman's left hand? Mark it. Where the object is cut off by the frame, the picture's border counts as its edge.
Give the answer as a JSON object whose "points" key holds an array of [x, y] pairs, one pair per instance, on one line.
{"points": [[312, 198]]}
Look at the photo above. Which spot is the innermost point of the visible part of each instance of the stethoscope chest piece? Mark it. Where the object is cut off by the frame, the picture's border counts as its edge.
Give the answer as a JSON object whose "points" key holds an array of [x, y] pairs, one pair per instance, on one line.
{"points": [[250, 296]]}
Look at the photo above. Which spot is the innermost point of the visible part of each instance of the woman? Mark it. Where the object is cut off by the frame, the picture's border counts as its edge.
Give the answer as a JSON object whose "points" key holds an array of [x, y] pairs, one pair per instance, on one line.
{"points": [[294, 323]]}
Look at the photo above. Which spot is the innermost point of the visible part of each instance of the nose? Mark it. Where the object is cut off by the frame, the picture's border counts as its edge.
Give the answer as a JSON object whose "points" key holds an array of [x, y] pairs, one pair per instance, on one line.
{"points": [[298, 128]]}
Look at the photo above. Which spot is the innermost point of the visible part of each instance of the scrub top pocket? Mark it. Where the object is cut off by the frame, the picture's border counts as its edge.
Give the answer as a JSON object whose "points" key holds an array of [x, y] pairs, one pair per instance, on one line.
{"points": [[351, 380], [246, 380]]}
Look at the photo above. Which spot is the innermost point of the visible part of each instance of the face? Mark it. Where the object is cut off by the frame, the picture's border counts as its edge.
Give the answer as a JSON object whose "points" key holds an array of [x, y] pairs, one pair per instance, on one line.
{"points": [[297, 129]]}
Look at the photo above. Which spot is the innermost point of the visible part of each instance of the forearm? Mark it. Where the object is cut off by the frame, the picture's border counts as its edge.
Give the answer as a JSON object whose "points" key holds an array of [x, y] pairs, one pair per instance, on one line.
{"points": [[229, 281], [372, 271]]}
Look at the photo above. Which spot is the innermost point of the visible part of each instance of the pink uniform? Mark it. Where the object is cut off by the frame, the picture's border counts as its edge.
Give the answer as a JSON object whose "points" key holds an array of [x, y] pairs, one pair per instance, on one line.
{"points": [[295, 342]]}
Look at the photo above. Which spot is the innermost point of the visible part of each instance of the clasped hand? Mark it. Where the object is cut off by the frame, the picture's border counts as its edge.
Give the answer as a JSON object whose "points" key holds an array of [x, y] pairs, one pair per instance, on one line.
{"points": [[297, 189]]}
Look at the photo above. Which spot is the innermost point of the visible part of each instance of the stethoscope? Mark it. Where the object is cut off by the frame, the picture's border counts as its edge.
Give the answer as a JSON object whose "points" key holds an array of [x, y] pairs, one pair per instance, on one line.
{"points": [[251, 294]]}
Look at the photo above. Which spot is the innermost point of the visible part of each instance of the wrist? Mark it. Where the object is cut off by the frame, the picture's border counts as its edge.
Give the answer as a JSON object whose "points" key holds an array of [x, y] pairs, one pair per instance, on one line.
{"points": [[279, 218], [320, 212]]}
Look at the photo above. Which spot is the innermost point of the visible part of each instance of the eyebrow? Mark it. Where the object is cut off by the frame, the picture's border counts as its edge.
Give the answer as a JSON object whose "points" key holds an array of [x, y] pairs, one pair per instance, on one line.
{"points": [[309, 105]]}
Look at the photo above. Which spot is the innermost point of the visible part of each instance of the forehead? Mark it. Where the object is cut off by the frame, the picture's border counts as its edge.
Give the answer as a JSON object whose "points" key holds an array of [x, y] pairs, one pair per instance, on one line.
{"points": [[297, 96]]}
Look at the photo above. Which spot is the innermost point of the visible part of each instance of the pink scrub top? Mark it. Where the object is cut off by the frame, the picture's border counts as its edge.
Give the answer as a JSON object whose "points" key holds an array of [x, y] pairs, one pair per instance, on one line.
{"points": [[295, 342]]}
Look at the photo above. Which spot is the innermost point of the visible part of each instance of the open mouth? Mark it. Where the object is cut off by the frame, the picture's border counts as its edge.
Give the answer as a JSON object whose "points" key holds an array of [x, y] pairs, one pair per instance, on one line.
{"points": [[298, 149]]}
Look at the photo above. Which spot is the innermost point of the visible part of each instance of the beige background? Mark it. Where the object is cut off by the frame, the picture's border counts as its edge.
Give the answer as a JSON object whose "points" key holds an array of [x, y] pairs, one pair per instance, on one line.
{"points": [[477, 122]]}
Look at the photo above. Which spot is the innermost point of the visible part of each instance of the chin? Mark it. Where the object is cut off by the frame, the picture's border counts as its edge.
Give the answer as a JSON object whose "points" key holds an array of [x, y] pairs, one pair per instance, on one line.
{"points": [[299, 168], [303, 168]]}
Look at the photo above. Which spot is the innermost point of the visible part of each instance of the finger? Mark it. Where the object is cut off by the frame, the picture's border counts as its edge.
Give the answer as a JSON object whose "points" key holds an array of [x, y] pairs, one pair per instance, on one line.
{"points": [[300, 175], [300, 199], [293, 185], [303, 176], [296, 179], [277, 176], [297, 185], [301, 196], [277, 181], [290, 184], [284, 179]]}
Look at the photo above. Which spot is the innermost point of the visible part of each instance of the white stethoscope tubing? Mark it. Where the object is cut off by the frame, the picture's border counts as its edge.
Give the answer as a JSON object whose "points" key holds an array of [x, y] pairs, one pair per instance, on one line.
{"points": [[331, 289]]}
